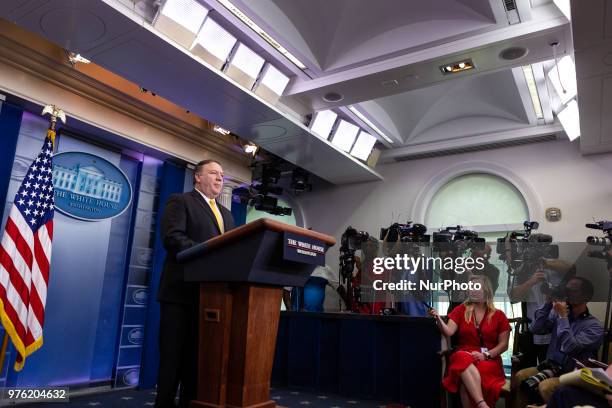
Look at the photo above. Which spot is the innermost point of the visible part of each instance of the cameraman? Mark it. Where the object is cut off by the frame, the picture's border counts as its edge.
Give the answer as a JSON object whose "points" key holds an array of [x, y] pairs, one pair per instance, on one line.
{"points": [[529, 289], [575, 334]]}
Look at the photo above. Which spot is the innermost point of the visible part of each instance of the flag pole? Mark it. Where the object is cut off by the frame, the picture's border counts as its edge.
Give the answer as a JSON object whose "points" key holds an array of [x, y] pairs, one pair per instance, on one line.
{"points": [[3, 350], [55, 113]]}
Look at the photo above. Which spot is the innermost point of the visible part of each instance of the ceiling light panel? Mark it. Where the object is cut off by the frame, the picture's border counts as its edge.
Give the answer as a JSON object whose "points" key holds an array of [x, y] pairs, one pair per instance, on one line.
{"points": [[345, 135], [181, 20], [275, 80], [247, 61], [533, 91], [213, 43], [563, 78], [322, 123], [570, 120], [363, 146]]}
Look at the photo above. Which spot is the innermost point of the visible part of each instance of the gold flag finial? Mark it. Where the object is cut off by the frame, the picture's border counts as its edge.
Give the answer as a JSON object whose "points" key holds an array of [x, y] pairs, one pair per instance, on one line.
{"points": [[55, 113]]}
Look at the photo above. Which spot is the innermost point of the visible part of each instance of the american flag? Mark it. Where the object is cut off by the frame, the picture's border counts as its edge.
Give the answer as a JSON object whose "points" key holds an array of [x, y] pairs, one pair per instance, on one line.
{"points": [[25, 256]]}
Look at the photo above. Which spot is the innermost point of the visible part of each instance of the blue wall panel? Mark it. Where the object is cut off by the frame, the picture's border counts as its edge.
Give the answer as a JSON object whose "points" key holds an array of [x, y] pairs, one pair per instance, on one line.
{"points": [[172, 181], [10, 122]]}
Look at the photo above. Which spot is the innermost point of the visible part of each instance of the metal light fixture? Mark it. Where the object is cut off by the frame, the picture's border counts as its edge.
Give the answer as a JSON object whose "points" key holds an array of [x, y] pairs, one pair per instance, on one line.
{"points": [[456, 67]]}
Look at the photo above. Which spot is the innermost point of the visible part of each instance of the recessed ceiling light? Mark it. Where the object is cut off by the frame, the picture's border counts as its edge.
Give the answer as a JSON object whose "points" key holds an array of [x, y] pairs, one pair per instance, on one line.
{"points": [[513, 53], [333, 97], [457, 67]]}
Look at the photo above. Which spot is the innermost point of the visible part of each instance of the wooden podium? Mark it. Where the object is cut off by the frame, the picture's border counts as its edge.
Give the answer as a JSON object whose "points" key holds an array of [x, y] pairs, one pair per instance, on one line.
{"points": [[241, 275]]}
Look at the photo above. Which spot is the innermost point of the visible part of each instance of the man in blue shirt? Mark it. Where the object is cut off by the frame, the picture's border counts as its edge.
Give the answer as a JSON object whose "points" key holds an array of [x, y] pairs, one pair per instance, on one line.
{"points": [[575, 334]]}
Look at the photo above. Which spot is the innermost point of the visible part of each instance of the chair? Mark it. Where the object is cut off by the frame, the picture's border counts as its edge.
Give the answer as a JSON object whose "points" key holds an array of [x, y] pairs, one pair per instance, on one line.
{"points": [[452, 400]]}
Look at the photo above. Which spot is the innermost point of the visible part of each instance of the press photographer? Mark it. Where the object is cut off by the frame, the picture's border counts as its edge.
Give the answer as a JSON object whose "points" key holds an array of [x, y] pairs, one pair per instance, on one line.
{"points": [[533, 272], [604, 252], [575, 335]]}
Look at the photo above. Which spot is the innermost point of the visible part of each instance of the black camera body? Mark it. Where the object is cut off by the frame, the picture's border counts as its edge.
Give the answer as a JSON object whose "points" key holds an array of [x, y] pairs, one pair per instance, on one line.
{"points": [[408, 232], [546, 369], [350, 242], [457, 240], [605, 253], [520, 248]]}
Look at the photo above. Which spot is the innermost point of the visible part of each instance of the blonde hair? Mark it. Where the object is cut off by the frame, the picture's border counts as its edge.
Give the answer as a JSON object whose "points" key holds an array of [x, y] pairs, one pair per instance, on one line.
{"points": [[488, 298]]}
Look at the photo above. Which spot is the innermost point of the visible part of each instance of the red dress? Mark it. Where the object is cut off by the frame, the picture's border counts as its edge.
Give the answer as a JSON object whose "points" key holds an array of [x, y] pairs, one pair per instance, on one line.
{"points": [[491, 371]]}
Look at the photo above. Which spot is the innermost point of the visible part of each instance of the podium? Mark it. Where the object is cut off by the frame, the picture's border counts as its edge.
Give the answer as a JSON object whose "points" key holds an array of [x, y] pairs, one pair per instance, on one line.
{"points": [[241, 275]]}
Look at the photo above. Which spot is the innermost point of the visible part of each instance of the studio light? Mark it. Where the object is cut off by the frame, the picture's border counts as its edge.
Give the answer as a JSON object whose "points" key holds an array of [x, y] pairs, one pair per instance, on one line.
{"points": [[74, 59], [180, 20], [570, 120], [251, 149], [563, 78], [363, 146], [345, 135], [322, 123], [221, 130], [300, 181], [213, 43]]}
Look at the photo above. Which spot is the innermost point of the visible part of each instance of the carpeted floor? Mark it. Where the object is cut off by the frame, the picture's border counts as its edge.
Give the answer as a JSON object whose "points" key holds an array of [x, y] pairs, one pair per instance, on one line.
{"points": [[134, 398]]}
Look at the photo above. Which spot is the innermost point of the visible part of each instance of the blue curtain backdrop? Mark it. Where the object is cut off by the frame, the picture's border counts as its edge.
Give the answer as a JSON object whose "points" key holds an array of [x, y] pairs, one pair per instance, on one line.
{"points": [[172, 181]]}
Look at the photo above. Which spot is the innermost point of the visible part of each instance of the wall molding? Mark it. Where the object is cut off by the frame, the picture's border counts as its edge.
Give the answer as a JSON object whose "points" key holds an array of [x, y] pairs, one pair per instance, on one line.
{"points": [[433, 185]]}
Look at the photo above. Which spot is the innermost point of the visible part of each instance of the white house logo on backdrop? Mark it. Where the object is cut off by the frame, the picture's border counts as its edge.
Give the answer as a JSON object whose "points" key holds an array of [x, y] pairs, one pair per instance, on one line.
{"points": [[140, 296], [89, 187], [130, 377], [136, 335]]}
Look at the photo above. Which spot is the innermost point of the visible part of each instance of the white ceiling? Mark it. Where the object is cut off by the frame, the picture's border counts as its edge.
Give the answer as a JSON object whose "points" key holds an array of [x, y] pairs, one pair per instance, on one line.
{"points": [[385, 60], [383, 57], [331, 35]]}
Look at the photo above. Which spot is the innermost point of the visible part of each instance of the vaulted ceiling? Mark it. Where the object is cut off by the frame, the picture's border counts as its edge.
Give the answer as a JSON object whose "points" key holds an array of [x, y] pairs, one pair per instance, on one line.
{"points": [[381, 58]]}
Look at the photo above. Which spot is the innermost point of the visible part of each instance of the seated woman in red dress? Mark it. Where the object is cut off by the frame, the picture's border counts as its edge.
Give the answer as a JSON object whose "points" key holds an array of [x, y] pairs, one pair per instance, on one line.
{"points": [[475, 369]]}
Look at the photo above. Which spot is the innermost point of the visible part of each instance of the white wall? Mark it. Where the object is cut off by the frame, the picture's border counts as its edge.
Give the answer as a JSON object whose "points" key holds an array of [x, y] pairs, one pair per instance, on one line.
{"points": [[550, 174]]}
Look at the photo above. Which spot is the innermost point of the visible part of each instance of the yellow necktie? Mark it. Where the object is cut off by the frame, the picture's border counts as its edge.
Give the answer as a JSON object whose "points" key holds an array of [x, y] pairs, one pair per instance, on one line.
{"points": [[215, 210]]}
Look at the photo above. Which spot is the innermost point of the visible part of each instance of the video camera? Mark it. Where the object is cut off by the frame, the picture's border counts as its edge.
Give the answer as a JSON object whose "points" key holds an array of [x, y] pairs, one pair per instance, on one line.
{"points": [[457, 240], [520, 248], [605, 242], [350, 242], [404, 233]]}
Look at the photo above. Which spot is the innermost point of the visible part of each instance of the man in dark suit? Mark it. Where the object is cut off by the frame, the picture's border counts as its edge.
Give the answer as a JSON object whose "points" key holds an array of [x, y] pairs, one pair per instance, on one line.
{"points": [[188, 219]]}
